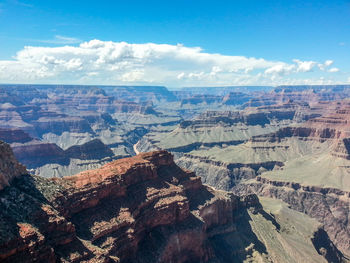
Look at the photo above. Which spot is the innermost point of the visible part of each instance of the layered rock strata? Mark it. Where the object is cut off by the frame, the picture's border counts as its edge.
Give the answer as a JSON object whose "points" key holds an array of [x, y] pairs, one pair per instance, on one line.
{"points": [[140, 209], [330, 206]]}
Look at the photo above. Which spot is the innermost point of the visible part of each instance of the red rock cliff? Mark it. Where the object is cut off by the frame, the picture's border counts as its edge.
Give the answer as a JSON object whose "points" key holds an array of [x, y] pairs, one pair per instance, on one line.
{"points": [[139, 209]]}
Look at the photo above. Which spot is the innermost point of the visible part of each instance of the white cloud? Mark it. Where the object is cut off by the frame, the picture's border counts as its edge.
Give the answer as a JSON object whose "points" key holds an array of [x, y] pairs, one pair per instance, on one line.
{"points": [[280, 69], [325, 65], [199, 76], [304, 66], [328, 63], [333, 70], [181, 75], [132, 76], [107, 62]]}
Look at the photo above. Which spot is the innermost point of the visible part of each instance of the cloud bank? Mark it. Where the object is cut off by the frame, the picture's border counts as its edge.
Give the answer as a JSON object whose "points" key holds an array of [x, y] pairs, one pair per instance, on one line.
{"points": [[111, 63]]}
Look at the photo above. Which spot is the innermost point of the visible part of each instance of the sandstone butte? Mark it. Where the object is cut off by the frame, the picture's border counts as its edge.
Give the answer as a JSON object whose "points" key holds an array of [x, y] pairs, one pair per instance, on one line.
{"points": [[139, 209]]}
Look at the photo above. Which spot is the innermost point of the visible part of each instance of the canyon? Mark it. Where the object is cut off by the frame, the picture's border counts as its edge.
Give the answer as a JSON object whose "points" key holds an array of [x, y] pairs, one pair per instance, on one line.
{"points": [[147, 174], [145, 209]]}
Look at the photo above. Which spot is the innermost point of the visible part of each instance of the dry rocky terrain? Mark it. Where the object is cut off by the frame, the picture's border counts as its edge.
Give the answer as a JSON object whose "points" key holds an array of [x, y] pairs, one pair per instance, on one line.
{"points": [[274, 162], [147, 209]]}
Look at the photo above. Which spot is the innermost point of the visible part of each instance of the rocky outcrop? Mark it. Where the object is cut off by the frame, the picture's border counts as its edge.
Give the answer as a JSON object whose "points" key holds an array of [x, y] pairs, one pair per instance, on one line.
{"points": [[342, 148], [308, 93], [139, 209], [120, 212], [140, 93], [27, 93], [92, 150], [37, 153], [10, 168], [308, 133], [59, 125], [325, 247], [236, 98], [228, 118], [7, 97], [70, 99], [223, 175], [132, 107], [198, 99], [21, 116], [329, 206], [251, 116], [333, 127], [103, 120], [12, 119], [14, 135]]}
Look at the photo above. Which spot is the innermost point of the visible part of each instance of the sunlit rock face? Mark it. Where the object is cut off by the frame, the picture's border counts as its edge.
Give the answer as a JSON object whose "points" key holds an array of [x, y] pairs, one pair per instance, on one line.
{"points": [[114, 214], [145, 209], [10, 168]]}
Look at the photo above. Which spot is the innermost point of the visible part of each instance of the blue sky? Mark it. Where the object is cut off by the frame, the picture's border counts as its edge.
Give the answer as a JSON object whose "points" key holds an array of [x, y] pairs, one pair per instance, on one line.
{"points": [[285, 34]]}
